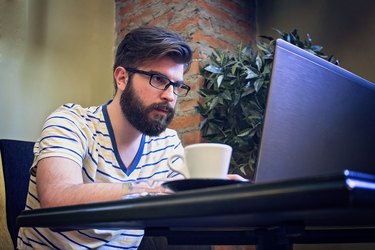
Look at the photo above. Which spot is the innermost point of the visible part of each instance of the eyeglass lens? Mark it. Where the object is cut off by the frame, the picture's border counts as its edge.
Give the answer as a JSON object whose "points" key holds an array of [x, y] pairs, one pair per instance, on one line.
{"points": [[161, 82]]}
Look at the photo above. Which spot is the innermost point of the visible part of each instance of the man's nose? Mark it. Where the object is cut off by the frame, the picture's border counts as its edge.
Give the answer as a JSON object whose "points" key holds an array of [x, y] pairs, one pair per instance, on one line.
{"points": [[168, 94]]}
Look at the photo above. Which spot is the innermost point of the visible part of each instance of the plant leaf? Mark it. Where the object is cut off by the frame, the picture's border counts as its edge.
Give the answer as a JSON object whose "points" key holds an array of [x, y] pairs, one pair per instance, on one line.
{"points": [[213, 69], [258, 84], [250, 74], [226, 95], [234, 68], [244, 133], [258, 62], [219, 80], [214, 103]]}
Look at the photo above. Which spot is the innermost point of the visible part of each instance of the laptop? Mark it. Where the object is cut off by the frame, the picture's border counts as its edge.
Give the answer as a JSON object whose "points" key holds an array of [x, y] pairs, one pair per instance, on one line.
{"points": [[319, 119]]}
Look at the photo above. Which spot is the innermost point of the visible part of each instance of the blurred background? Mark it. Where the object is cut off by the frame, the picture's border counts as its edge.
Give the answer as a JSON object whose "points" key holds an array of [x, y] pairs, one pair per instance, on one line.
{"points": [[54, 52], [345, 28]]}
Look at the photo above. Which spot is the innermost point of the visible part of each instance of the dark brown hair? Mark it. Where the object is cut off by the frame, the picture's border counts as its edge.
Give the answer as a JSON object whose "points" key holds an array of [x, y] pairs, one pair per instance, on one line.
{"points": [[148, 44]]}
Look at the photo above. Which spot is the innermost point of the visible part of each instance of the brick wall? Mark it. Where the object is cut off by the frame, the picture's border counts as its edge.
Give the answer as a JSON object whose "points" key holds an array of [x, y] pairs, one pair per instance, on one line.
{"points": [[205, 24]]}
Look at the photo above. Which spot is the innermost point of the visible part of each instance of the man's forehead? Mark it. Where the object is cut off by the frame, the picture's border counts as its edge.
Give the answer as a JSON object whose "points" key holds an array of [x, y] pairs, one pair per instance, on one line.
{"points": [[164, 67]]}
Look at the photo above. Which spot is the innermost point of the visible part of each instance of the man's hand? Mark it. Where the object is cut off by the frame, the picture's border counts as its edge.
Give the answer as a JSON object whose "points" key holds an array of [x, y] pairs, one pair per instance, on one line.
{"points": [[144, 188], [236, 177]]}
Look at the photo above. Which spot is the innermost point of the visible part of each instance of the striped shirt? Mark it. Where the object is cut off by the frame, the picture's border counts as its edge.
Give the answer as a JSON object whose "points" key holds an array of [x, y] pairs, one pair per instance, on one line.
{"points": [[85, 135]]}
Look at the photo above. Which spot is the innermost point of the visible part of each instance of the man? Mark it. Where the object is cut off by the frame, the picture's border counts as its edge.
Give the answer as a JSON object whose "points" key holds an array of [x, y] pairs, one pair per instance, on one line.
{"points": [[102, 153]]}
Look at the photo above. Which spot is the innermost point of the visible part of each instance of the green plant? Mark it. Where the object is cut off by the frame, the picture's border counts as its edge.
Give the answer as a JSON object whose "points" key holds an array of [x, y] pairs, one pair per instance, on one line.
{"points": [[234, 96]]}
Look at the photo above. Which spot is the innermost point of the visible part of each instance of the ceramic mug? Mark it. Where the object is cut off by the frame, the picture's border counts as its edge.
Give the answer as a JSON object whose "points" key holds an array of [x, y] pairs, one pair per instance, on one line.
{"points": [[203, 161]]}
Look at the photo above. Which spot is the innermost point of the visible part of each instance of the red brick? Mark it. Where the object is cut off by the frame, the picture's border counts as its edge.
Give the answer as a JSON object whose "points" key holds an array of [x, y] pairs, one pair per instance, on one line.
{"points": [[136, 19], [194, 67], [146, 2], [171, 1], [127, 8], [196, 84], [188, 105], [244, 38], [181, 26], [164, 17], [231, 6], [214, 42], [191, 137], [188, 121], [215, 11], [241, 11]]}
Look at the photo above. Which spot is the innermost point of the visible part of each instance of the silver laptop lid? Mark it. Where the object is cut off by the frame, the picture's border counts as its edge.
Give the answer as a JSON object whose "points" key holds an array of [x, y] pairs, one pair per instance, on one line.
{"points": [[319, 120]]}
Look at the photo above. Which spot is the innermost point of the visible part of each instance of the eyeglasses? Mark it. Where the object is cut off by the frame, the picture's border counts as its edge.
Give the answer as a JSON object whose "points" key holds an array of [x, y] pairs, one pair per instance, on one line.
{"points": [[162, 82]]}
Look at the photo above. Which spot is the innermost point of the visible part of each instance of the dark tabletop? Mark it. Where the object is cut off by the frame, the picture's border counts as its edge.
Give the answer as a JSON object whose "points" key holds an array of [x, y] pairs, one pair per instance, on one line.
{"points": [[341, 202]]}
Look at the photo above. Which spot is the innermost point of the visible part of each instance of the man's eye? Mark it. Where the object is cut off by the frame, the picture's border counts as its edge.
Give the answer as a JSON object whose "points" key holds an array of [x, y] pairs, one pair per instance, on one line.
{"points": [[159, 79], [183, 86]]}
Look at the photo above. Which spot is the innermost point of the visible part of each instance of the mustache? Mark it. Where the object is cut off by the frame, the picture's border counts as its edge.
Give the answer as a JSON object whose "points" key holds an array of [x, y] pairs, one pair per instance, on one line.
{"points": [[163, 106]]}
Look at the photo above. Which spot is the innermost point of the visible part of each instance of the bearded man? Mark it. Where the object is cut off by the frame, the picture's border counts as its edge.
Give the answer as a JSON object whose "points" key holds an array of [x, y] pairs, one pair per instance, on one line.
{"points": [[104, 153]]}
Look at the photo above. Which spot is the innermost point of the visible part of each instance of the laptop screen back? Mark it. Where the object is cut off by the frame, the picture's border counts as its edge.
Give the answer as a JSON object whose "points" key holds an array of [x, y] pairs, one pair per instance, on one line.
{"points": [[319, 120]]}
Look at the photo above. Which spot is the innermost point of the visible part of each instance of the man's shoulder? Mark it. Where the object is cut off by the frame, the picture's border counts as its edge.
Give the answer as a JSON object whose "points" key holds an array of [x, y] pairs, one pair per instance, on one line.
{"points": [[77, 112], [78, 109]]}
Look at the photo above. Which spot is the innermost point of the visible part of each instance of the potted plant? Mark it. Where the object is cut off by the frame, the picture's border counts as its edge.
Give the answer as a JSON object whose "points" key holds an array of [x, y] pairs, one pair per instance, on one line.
{"points": [[234, 96]]}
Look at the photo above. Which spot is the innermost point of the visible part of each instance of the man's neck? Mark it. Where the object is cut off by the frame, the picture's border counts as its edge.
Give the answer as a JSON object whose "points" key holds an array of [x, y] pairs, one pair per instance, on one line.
{"points": [[127, 137]]}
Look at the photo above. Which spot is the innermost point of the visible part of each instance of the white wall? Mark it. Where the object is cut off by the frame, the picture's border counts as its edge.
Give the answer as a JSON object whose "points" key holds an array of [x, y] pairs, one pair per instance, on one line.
{"points": [[52, 52]]}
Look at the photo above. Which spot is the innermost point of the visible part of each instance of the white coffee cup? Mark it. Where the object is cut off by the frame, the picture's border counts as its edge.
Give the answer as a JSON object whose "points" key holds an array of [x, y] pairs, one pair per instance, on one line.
{"points": [[203, 161]]}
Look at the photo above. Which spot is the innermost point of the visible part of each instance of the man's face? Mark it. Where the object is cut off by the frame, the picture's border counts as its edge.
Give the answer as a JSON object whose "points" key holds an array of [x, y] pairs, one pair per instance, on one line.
{"points": [[139, 115], [147, 109]]}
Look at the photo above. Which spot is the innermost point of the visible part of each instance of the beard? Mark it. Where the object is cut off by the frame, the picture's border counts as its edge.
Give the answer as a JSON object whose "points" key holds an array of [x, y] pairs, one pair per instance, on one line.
{"points": [[139, 115]]}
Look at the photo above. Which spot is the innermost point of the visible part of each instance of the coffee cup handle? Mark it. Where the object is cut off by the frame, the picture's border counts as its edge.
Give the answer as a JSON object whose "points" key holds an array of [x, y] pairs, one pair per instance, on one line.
{"points": [[182, 169]]}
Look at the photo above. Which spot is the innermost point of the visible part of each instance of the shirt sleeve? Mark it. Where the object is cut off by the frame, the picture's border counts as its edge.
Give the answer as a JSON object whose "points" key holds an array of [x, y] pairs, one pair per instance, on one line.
{"points": [[64, 134]]}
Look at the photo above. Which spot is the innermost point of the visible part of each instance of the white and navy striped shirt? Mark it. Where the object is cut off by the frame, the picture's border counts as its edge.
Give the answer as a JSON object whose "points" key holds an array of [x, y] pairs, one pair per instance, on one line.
{"points": [[85, 135]]}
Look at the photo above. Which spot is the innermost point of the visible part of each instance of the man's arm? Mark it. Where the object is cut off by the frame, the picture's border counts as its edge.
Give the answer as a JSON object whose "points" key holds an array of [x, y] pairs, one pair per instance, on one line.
{"points": [[59, 183]]}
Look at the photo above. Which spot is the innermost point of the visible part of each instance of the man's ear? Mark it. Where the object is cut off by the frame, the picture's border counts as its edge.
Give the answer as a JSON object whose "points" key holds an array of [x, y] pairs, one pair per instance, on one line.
{"points": [[121, 76]]}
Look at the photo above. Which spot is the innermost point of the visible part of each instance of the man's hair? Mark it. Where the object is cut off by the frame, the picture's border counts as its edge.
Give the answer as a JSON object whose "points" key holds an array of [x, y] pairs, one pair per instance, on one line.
{"points": [[148, 44]]}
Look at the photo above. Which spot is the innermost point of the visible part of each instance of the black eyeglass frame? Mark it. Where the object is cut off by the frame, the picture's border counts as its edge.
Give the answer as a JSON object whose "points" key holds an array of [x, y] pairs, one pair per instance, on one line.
{"points": [[175, 85]]}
